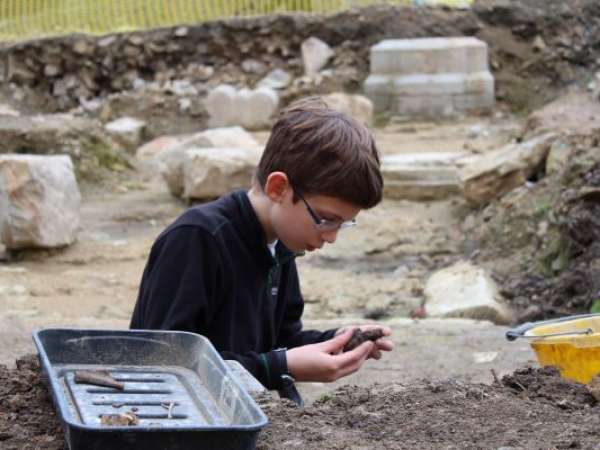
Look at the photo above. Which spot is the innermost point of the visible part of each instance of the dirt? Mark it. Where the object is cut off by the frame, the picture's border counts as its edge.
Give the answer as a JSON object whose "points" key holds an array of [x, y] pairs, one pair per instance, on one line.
{"points": [[358, 337], [542, 241], [529, 409]]}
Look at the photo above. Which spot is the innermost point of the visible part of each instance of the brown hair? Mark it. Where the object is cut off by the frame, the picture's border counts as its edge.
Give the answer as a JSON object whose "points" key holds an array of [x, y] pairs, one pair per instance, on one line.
{"points": [[325, 152]]}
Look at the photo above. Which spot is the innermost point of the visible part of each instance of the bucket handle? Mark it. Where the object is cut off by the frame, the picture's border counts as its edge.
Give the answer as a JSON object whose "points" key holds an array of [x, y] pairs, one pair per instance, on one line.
{"points": [[519, 332], [512, 337]]}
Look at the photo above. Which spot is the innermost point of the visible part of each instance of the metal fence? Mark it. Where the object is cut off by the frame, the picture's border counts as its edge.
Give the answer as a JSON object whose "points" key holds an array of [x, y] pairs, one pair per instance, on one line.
{"points": [[33, 19]]}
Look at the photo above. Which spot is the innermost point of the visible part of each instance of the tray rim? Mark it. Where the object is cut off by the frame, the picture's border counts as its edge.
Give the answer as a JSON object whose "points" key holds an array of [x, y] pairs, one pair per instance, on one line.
{"points": [[60, 403]]}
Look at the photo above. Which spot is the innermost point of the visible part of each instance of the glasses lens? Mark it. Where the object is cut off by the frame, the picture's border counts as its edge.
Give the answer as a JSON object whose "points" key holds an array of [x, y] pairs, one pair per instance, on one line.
{"points": [[327, 225], [348, 224]]}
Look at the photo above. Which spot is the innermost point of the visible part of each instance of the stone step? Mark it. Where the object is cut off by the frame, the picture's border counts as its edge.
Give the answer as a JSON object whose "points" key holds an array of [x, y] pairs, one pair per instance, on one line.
{"points": [[431, 84], [420, 190], [420, 176], [431, 95], [429, 55]]}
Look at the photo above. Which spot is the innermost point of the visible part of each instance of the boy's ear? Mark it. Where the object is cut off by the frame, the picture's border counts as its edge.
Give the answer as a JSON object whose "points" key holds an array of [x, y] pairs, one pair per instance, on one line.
{"points": [[277, 186]]}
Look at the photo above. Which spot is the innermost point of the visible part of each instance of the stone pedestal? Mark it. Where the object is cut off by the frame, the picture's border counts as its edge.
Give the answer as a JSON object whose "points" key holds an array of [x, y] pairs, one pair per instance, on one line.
{"points": [[430, 77]]}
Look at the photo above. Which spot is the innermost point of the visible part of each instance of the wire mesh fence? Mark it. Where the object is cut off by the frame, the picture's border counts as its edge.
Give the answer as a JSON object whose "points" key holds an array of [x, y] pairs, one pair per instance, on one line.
{"points": [[34, 19]]}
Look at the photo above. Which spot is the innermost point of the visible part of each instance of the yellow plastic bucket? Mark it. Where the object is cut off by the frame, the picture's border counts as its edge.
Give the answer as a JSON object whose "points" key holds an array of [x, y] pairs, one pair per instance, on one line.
{"points": [[571, 343]]}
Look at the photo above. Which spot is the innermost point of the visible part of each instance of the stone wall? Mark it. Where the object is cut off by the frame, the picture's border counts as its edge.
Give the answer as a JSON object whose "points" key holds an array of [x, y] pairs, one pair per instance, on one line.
{"points": [[535, 46]]}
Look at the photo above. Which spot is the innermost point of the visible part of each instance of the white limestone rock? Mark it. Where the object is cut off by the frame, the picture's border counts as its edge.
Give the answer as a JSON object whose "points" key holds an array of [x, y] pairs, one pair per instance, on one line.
{"points": [[467, 291], [558, 156], [420, 176], [255, 108], [276, 79], [213, 172], [315, 55], [357, 106], [491, 175], [226, 137], [127, 131], [170, 161], [251, 109], [39, 201], [220, 104], [155, 146]]}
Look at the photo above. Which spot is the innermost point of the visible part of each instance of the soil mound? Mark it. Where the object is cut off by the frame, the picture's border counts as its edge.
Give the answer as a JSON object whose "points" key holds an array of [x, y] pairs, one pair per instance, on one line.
{"points": [[530, 409]]}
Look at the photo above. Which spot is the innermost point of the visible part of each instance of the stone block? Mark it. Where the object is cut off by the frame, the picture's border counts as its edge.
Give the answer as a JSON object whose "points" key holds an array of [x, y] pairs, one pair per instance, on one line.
{"points": [[39, 201], [465, 290], [171, 160], [429, 55], [127, 131], [315, 54], [210, 173], [251, 109], [420, 176], [491, 175]]}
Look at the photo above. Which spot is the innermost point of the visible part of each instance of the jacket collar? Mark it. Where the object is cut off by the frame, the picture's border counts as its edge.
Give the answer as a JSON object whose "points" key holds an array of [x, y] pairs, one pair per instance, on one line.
{"points": [[255, 237]]}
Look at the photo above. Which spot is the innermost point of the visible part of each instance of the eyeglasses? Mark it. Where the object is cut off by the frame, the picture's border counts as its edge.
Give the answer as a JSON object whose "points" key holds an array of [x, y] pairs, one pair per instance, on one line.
{"points": [[324, 225]]}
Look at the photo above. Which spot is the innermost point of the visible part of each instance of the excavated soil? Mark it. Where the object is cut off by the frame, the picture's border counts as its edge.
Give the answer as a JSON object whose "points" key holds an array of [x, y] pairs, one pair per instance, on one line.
{"points": [[542, 242], [530, 409]]}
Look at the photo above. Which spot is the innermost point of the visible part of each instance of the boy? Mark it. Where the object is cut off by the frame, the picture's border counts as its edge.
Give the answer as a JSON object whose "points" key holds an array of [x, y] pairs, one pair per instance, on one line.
{"points": [[226, 269]]}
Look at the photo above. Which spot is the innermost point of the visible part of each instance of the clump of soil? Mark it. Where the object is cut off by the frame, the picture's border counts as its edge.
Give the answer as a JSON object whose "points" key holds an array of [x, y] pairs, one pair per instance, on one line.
{"points": [[532, 408], [358, 337]]}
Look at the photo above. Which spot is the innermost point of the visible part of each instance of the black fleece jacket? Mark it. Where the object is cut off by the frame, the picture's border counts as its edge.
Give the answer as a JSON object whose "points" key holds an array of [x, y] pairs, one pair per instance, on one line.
{"points": [[211, 273]]}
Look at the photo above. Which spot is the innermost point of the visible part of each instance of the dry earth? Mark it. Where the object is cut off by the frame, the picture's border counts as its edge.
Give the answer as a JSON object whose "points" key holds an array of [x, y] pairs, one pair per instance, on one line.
{"points": [[530, 409]]}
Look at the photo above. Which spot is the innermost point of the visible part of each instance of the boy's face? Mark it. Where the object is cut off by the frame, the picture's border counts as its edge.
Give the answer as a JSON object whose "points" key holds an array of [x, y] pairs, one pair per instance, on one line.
{"points": [[296, 227]]}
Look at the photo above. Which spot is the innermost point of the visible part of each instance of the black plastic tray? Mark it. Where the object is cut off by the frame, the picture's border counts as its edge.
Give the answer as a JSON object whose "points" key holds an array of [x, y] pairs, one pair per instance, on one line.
{"points": [[210, 409]]}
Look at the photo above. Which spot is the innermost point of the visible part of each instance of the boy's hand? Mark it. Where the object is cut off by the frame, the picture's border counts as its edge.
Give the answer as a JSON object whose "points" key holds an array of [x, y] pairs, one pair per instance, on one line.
{"points": [[325, 361], [380, 344]]}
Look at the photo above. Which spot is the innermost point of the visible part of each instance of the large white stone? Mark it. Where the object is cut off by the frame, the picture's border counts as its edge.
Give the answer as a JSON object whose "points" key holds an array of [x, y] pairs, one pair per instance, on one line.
{"points": [[429, 55], [256, 107], [155, 146], [251, 109], [276, 79], [170, 163], [127, 131], [220, 104], [558, 156], [171, 160], [315, 54], [491, 175], [213, 172], [357, 106], [465, 290], [39, 201]]}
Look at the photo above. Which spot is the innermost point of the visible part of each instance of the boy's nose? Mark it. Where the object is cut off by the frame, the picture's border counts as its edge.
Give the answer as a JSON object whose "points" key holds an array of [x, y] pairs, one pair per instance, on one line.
{"points": [[330, 236]]}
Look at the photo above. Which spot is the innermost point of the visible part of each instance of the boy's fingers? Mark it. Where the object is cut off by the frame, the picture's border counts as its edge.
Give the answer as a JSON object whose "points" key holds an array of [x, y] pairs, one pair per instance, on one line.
{"points": [[351, 361], [337, 343], [384, 344]]}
